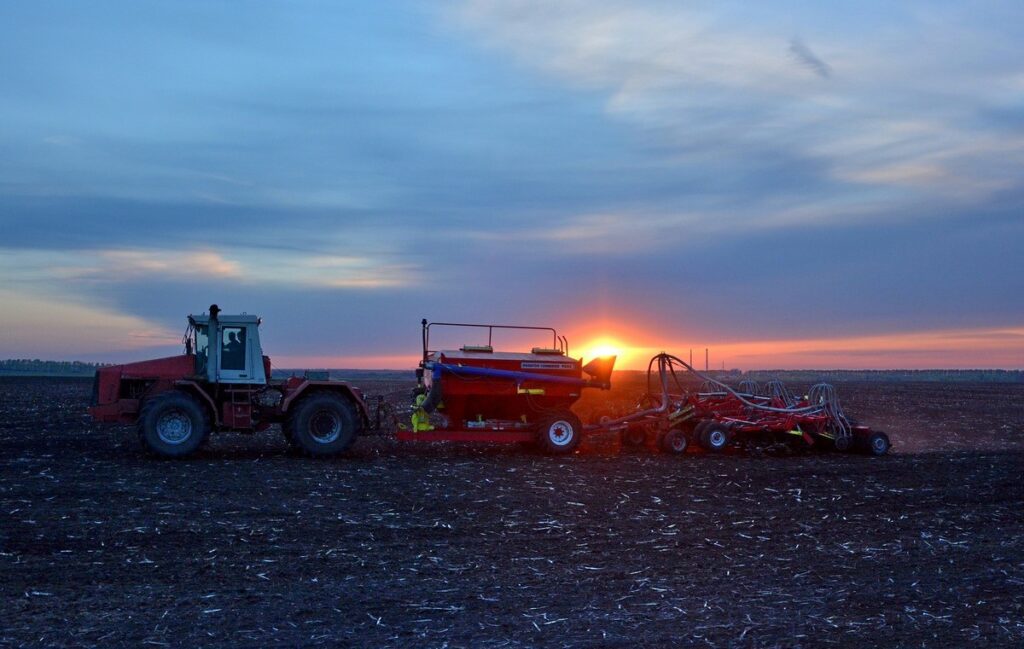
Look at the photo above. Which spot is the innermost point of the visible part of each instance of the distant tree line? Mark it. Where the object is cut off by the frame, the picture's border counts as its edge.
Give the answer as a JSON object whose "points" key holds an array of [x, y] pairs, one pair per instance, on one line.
{"points": [[938, 376], [733, 376], [36, 367]]}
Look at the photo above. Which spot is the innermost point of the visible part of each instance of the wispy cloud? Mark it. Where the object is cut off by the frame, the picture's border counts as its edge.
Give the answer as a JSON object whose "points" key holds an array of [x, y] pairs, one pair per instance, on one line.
{"points": [[715, 87], [240, 266], [62, 140], [352, 272], [125, 265], [808, 59]]}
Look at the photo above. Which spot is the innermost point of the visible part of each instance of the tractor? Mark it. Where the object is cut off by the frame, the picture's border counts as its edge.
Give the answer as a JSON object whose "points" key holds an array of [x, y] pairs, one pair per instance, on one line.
{"points": [[222, 382]]}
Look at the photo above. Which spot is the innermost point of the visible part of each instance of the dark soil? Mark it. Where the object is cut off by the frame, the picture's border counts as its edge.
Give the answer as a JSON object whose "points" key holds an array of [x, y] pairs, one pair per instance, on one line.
{"points": [[458, 545]]}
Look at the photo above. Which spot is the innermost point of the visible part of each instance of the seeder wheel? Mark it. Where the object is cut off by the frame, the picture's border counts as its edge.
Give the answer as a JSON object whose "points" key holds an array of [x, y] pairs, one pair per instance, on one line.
{"points": [[560, 433], [877, 443], [673, 442], [715, 436]]}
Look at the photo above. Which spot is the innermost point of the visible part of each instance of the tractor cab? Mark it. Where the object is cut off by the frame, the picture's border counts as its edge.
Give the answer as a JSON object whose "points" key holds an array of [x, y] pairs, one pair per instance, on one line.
{"points": [[226, 348]]}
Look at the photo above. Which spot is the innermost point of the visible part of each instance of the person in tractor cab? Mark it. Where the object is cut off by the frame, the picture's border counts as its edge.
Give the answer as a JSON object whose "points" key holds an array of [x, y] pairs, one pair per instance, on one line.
{"points": [[233, 354]]}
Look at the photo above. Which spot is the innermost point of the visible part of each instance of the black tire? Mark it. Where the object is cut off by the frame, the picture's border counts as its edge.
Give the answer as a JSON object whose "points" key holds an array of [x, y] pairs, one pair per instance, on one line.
{"points": [[715, 436], [173, 424], [560, 433], [843, 444], [673, 442], [323, 424], [877, 444], [699, 428]]}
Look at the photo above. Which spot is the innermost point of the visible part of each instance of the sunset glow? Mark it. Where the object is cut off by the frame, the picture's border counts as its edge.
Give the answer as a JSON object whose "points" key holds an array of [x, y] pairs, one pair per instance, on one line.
{"points": [[601, 347]]}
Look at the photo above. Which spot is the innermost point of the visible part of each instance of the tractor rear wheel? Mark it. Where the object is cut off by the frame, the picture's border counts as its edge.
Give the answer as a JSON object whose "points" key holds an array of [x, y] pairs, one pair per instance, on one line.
{"points": [[715, 436], [323, 424], [560, 433], [674, 442], [173, 424]]}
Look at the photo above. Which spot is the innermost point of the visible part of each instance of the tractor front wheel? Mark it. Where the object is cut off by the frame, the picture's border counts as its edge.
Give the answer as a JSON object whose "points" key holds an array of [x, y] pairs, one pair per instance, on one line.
{"points": [[173, 424], [560, 433], [322, 424]]}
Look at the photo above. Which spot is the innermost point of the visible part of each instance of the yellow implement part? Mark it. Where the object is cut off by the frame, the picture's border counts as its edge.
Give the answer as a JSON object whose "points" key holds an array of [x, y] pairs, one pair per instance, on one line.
{"points": [[683, 414], [537, 391]]}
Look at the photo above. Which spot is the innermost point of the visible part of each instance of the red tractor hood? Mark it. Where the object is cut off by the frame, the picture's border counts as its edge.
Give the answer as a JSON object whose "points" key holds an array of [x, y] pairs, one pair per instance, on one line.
{"points": [[110, 402], [172, 367]]}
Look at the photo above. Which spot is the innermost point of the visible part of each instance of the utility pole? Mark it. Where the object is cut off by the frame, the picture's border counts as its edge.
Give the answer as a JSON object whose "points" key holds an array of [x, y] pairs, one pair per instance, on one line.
{"points": [[691, 357], [706, 356]]}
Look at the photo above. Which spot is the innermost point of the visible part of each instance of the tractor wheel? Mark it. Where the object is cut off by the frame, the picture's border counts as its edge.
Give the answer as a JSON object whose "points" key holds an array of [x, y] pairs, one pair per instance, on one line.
{"points": [[323, 424], [173, 424], [715, 436], [674, 442], [560, 433], [877, 444]]}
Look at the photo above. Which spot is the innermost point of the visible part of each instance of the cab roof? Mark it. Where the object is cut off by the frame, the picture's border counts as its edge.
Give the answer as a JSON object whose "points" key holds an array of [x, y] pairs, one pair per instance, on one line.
{"points": [[244, 318]]}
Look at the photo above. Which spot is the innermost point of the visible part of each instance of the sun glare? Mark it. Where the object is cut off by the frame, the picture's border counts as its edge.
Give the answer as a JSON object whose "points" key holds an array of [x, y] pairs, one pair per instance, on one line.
{"points": [[601, 347]]}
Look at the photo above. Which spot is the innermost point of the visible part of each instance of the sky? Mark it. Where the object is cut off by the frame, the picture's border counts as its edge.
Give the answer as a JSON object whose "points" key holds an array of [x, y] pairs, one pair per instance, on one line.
{"points": [[790, 184]]}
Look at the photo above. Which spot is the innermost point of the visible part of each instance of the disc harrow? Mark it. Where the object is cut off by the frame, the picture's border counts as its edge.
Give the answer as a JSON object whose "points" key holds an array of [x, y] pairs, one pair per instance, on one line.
{"points": [[716, 416]]}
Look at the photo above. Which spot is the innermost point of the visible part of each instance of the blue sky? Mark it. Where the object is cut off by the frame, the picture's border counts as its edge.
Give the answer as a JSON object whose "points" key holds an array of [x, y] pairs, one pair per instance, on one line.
{"points": [[828, 185]]}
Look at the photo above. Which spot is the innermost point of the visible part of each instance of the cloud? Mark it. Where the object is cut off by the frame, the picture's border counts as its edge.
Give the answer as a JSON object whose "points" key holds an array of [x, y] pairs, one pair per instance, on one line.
{"points": [[345, 272], [126, 265], [62, 140], [238, 266], [969, 349], [806, 57], [715, 86], [56, 327], [205, 263]]}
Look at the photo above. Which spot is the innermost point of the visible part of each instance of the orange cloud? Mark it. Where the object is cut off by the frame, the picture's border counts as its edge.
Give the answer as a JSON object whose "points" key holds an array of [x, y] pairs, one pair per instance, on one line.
{"points": [[958, 348], [118, 264], [54, 328]]}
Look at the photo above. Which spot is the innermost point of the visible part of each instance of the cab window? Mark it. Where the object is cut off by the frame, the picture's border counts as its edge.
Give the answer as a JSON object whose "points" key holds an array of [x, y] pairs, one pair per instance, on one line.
{"points": [[201, 345], [232, 355]]}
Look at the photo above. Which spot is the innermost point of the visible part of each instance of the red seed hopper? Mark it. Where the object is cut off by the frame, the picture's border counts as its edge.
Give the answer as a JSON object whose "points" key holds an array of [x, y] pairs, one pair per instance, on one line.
{"points": [[474, 393]]}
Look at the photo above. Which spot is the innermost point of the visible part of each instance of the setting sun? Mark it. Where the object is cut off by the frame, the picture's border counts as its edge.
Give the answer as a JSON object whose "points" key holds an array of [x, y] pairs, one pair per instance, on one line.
{"points": [[602, 347]]}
